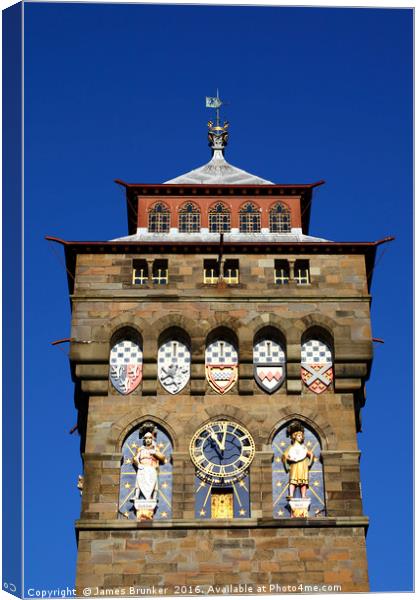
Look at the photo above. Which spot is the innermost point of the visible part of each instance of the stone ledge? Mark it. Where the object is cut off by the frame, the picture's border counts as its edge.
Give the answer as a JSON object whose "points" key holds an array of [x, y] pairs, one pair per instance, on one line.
{"points": [[315, 522]]}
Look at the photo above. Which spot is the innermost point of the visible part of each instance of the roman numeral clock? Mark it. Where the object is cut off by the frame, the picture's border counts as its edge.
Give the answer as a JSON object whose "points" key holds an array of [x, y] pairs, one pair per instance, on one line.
{"points": [[222, 452]]}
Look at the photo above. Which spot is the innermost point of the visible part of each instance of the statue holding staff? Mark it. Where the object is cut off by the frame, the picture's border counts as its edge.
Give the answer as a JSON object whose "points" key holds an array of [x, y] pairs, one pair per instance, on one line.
{"points": [[297, 460]]}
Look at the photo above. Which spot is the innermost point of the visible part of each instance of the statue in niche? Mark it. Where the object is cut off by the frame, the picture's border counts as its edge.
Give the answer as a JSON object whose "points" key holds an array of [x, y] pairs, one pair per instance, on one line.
{"points": [[147, 461], [297, 461]]}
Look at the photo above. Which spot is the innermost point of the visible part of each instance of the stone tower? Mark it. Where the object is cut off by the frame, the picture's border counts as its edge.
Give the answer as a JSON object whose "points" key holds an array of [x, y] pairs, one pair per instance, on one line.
{"points": [[219, 354]]}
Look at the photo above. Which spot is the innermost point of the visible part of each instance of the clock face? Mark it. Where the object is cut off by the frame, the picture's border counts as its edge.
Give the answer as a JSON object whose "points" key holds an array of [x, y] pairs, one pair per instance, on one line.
{"points": [[222, 452]]}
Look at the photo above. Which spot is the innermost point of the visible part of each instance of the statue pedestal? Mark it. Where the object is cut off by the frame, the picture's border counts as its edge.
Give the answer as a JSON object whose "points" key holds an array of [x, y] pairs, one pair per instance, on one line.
{"points": [[145, 509], [299, 507]]}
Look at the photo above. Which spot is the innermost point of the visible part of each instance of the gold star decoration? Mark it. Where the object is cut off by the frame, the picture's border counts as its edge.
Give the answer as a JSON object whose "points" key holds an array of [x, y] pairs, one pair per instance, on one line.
{"points": [[280, 513], [202, 513], [316, 482], [164, 485], [134, 445], [128, 461], [127, 486], [282, 444], [278, 484], [164, 514], [309, 443], [277, 459], [161, 445], [126, 514], [315, 459], [242, 512], [242, 483]]}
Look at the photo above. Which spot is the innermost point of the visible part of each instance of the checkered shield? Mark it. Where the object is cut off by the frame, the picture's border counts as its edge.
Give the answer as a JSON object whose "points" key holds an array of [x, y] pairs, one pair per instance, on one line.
{"points": [[269, 365], [174, 361], [221, 366], [125, 366], [316, 366]]}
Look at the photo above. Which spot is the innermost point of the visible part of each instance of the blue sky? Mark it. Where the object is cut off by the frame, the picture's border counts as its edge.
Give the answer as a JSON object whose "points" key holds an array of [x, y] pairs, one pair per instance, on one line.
{"points": [[117, 91]]}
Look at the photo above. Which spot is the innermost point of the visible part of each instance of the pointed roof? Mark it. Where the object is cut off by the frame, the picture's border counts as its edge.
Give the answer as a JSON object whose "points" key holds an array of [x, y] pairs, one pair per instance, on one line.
{"points": [[218, 170]]}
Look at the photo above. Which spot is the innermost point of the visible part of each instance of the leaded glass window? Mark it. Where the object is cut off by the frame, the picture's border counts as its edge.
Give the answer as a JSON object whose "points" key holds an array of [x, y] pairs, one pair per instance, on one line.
{"points": [[159, 218], [189, 219], [219, 219], [279, 218], [249, 218]]}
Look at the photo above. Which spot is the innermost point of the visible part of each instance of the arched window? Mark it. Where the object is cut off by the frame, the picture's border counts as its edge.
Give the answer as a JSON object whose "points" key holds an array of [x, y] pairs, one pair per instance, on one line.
{"points": [[316, 364], [159, 218], [126, 362], [297, 472], [146, 479], [189, 218], [269, 359], [221, 361], [174, 360], [249, 218], [279, 218], [219, 218]]}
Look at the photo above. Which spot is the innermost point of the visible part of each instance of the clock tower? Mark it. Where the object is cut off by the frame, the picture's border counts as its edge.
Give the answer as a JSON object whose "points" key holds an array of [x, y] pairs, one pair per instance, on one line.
{"points": [[220, 353]]}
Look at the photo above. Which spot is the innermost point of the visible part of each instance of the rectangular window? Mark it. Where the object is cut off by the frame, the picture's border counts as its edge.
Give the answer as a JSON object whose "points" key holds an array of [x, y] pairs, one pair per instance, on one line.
{"points": [[211, 271], [160, 271], [140, 272], [231, 271], [302, 272], [281, 272]]}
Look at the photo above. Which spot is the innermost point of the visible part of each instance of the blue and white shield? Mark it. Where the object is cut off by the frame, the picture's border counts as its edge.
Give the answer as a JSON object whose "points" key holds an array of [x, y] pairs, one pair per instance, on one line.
{"points": [[174, 360], [269, 365]]}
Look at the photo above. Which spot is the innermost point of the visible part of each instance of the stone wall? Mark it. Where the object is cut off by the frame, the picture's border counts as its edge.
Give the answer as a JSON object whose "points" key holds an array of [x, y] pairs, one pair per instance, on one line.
{"points": [[265, 559], [321, 550]]}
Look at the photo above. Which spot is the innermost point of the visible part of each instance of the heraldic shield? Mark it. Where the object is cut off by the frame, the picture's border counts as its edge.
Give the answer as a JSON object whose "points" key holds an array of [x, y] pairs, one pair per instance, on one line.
{"points": [[126, 366], [269, 365], [316, 367], [221, 366], [174, 361]]}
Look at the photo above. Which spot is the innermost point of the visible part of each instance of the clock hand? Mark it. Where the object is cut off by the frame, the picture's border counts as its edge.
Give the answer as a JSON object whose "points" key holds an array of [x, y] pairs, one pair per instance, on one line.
{"points": [[222, 447], [214, 437]]}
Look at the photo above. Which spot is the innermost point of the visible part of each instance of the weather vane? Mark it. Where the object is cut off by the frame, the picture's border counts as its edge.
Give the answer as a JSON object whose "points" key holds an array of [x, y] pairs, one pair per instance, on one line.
{"points": [[215, 102], [218, 135]]}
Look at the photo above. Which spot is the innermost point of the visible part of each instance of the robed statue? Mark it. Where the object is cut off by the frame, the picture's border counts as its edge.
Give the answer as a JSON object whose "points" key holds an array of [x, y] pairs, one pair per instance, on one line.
{"points": [[147, 461], [297, 460]]}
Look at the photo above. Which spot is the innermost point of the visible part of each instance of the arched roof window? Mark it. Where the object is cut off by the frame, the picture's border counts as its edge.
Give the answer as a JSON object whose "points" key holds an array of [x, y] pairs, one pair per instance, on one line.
{"points": [[249, 218], [159, 218], [279, 218], [189, 218], [219, 218]]}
